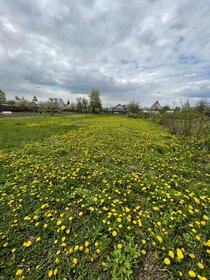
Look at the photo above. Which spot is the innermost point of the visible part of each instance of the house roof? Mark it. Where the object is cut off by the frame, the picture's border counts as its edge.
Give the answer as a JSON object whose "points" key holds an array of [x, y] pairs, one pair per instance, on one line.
{"points": [[156, 106], [119, 106]]}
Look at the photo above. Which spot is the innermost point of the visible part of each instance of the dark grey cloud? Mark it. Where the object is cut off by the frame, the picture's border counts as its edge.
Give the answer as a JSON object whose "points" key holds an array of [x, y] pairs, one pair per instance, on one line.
{"points": [[131, 50]]}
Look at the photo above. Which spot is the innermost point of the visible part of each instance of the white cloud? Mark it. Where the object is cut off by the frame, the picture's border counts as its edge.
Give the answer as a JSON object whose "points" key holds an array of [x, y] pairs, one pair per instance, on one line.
{"points": [[130, 50]]}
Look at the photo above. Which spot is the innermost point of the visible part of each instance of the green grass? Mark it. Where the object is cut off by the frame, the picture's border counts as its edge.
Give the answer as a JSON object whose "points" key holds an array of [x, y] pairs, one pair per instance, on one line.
{"points": [[23, 129], [102, 197]]}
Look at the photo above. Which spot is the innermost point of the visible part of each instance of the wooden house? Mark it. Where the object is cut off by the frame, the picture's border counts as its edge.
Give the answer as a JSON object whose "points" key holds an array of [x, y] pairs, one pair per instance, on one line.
{"points": [[119, 109]]}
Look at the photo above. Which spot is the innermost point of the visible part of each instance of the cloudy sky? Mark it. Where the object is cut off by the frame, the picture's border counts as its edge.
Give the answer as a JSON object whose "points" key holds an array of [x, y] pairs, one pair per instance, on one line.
{"points": [[139, 50]]}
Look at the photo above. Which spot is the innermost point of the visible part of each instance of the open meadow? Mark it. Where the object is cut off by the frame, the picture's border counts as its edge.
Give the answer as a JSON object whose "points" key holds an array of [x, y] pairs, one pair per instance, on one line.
{"points": [[102, 197]]}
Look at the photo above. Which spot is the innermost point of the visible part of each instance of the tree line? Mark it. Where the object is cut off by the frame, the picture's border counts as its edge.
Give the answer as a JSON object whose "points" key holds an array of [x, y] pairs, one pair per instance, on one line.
{"points": [[93, 104]]}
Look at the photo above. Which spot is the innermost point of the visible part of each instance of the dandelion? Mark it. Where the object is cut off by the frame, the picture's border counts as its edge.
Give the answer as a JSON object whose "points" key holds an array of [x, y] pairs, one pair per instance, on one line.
{"points": [[27, 244], [192, 256], [143, 252], [180, 255], [171, 254], [114, 233], [202, 277], [119, 246], [87, 243], [55, 272], [192, 274], [200, 265], [75, 261], [19, 272], [205, 217], [167, 261], [159, 238], [59, 222], [50, 273]]}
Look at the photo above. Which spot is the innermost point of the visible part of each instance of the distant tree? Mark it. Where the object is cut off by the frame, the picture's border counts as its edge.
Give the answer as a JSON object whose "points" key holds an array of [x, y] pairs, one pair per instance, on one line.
{"points": [[52, 107], [2, 97], [68, 102], [202, 106], [24, 105], [95, 104], [11, 102], [133, 108], [34, 99], [84, 104], [79, 105], [17, 98], [72, 107], [165, 109]]}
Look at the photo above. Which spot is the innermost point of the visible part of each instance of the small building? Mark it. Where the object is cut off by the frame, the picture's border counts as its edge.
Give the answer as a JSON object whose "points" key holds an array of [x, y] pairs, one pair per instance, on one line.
{"points": [[156, 106], [119, 109]]}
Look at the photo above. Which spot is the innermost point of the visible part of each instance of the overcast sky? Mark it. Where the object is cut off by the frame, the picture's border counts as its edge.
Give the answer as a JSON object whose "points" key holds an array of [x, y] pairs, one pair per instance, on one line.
{"points": [[136, 50]]}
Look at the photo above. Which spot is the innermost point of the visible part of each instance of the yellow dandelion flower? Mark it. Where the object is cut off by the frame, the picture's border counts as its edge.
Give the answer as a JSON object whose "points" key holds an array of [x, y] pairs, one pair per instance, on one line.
{"points": [[171, 254], [159, 238], [75, 261], [87, 243], [114, 233], [192, 274], [27, 243], [200, 265], [63, 227], [179, 254], [167, 261], [119, 246], [205, 217], [57, 260], [198, 237], [192, 256], [59, 222], [143, 252], [55, 272], [80, 213], [76, 248], [50, 273], [202, 277], [19, 272]]}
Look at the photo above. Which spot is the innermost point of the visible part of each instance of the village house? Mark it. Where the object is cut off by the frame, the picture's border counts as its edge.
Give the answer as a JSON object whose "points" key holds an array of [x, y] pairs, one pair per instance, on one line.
{"points": [[119, 109], [156, 106]]}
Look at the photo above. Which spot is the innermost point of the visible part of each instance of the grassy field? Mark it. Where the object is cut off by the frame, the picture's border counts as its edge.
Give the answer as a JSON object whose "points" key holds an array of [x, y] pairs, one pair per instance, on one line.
{"points": [[102, 197]]}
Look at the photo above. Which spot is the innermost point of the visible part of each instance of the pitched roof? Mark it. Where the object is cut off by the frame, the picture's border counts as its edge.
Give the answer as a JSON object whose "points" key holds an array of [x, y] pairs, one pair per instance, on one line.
{"points": [[156, 106]]}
